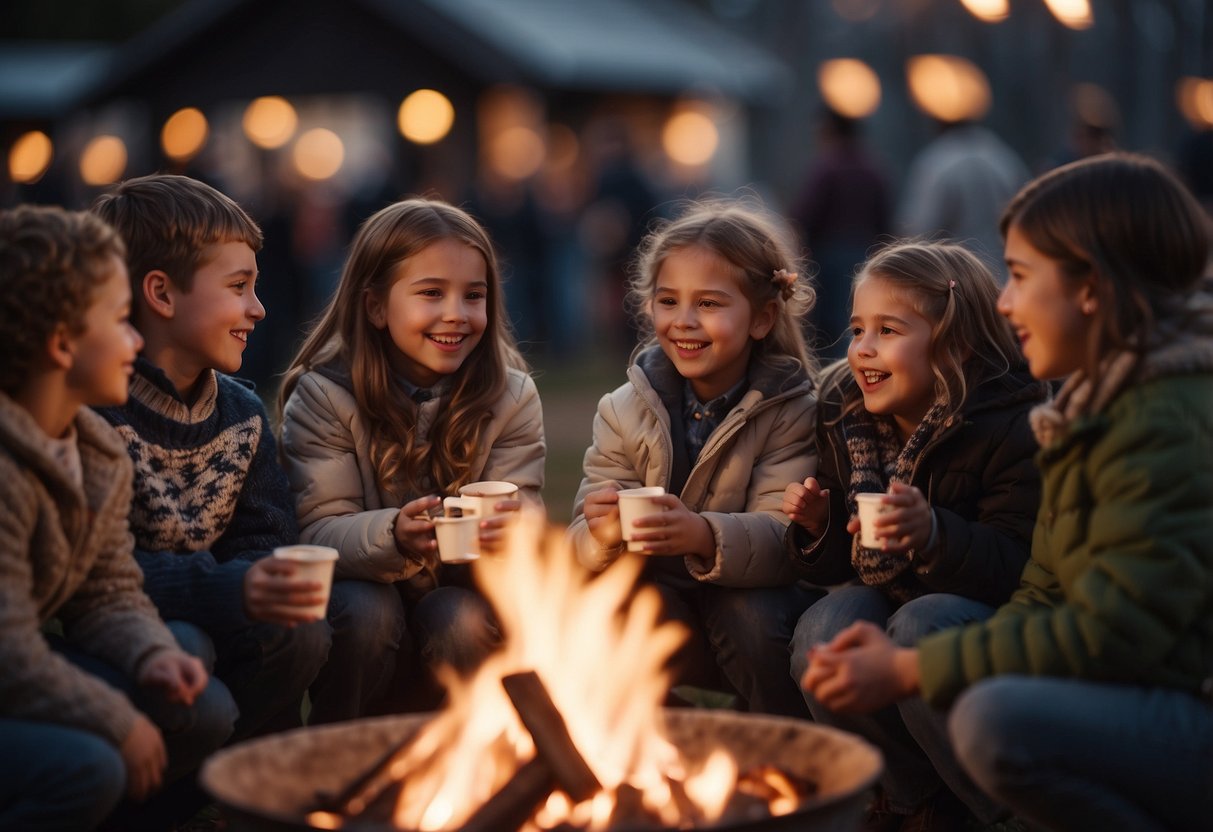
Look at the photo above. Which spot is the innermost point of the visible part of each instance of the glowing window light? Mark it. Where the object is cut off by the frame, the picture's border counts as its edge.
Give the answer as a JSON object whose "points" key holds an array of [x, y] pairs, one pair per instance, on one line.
{"points": [[318, 154], [269, 122], [690, 138], [991, 11], [103, 161], [1074, 14], [184, 134], [516, 152], [30, 156], [1195, 99], [948, 88], [425, 117], [849, 87]]}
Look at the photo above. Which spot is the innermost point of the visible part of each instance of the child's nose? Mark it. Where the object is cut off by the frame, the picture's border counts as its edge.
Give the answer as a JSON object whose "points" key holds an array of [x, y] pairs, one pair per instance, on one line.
{"points": [[456, 309], [256, 310], [1004, 300]]}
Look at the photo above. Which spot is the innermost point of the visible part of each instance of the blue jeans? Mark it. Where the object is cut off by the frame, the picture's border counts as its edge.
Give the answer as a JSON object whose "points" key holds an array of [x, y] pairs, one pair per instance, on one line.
{"points": [[1076, 755], [912, 735], [455, 626], [741, 635], [54, 778]]}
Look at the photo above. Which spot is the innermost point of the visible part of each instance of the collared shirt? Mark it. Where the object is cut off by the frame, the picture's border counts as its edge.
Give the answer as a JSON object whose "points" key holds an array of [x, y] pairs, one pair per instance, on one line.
{"points": [[422, 394], [701, 419]]}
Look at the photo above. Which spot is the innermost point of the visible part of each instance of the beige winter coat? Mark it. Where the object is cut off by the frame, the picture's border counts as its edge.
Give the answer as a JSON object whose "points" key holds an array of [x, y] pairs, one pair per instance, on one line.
{"points": [[737, 484], [65, 551], [326, 453]]}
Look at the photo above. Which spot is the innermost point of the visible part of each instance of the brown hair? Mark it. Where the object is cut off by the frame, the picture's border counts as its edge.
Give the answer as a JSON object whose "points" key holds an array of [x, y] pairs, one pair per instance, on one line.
{"points": [[168, 222], [344, 334], [1128, 221], [758, 244], [51, 262]]}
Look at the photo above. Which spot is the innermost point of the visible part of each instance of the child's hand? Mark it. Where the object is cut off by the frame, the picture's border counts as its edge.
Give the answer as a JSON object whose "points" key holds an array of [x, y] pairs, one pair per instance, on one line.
{"points": [[414, 531], [273, 593], [145, 758], [601, 510], [675, 531], [493, 529], [181, 676], [861, 670], [808, 504], [907, 525]]}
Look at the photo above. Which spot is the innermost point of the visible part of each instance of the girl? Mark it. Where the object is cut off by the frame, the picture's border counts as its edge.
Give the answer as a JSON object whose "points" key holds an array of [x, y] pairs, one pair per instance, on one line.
{"points": [[717, 410], [931, 406], [410, 387], [1079, 704]]}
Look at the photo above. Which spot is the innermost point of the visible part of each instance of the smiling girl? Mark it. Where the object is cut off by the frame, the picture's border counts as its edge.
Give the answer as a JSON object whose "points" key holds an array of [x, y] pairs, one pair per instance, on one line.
{"points": [[410, 387], [718, 410], [931, 408]]}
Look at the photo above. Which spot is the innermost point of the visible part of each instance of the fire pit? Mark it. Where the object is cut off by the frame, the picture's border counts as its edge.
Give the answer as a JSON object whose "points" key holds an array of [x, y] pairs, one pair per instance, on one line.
{"points": [[561, 729]]}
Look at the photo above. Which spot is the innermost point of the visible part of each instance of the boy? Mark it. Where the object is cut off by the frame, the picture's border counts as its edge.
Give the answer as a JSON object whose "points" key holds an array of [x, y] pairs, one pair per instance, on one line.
{"points": [[72, 740], [210, 499]]}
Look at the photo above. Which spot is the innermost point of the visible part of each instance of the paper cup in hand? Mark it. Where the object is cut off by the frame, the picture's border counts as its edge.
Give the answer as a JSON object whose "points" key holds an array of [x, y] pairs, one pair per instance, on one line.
{"points": [[312, 563], [458, 538], [489, 493], [870, 506], [635, 503], [462, 507]]}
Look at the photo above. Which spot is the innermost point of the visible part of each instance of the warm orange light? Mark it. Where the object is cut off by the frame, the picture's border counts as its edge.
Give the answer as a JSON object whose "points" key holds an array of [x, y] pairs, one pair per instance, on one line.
{"points": [[690, 137], [30, 156], [991, 11], [184, 134], [1195, 99], [516, 152], [318, 154], [948, 88], [1075, 14], [103, 161], [425, 117], [270, 122], [849, 87]]}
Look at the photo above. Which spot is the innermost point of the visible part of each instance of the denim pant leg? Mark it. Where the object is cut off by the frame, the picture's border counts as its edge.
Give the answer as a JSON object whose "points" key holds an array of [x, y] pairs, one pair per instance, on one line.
{"points": [[929, 727], [693, 664], [54, 778], [908, 777], [268, 667], [750, 630], [455, 626], [367, 626], [1075, 755]]}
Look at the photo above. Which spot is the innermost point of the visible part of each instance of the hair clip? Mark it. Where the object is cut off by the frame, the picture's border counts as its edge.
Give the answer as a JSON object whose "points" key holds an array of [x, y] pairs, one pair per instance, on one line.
{"points": [[951, 284], [785, 280]]}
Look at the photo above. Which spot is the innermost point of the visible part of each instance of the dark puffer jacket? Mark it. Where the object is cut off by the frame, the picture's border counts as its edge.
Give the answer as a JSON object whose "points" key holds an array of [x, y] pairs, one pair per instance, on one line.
{"points": [[979, 478]]}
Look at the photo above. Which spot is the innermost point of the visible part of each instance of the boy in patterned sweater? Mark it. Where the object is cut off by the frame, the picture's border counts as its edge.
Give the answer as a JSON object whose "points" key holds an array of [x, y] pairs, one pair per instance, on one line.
{"points": [[210, 499]]}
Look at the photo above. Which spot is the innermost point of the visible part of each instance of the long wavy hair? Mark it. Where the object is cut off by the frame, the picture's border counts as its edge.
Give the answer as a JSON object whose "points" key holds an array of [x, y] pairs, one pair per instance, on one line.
{"points": [[955, 292], [405, 463]]}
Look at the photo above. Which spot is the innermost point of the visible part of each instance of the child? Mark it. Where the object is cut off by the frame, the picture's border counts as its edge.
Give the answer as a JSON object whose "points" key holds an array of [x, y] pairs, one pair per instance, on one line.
{"points": [[72, 741], [409, 387], [210, 500], [931, 406], [718, 410], [1079, 704]]}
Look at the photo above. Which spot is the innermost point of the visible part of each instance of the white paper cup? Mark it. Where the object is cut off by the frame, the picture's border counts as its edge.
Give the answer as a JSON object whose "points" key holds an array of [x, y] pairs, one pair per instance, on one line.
{"points": [[870, 506], [489, 493], [635, 503], [462, 507], [458, 538], [312, 563]]}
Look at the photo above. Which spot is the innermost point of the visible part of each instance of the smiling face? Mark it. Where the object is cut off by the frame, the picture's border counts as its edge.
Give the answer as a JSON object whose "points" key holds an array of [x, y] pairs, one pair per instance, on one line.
{"points": [[435, 311], [704, 322], [103, 355], [1046, 310], [890, 354]]}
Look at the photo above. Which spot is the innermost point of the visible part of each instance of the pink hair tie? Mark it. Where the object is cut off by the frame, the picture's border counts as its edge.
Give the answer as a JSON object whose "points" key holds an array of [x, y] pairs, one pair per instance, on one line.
{"points": [[951, 284]]}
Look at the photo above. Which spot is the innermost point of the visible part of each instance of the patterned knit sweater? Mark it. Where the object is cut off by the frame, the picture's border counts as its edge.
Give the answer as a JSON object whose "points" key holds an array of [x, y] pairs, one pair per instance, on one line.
{"points": [[65, 552], [210, 497]]}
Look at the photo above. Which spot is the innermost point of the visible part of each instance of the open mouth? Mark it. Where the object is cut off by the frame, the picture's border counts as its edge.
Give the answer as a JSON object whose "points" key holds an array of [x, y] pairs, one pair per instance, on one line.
{"points": [[447, 340], [874, 376], [241, 334], [690, 346]]}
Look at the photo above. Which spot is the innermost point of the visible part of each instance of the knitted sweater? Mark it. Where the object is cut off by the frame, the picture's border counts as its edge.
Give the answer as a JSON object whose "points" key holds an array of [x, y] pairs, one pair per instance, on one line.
{"points": [[65, 551], [210, 497]]}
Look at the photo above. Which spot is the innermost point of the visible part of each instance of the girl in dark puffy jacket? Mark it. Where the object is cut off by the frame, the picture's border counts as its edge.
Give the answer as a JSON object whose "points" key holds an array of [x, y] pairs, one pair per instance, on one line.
{"points": [[929, 410]]}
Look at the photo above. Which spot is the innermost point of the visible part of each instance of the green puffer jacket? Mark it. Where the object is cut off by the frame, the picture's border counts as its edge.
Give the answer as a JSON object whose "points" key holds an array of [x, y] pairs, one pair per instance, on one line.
{"points": [[1119, 587]]}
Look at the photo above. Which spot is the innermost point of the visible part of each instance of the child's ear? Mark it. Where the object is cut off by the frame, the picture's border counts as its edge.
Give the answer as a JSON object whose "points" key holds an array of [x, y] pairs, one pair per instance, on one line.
{"points": [[764, 320], [158, 293], [60, 348], [375, 312], [1088, 297]]}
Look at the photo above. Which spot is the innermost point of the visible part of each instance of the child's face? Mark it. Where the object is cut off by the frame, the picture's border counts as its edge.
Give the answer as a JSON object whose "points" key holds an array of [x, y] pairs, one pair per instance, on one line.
{"points": [[1045, 309], [104, 354], [890, 354], [436, 310], [212, 322], [704, 322]]}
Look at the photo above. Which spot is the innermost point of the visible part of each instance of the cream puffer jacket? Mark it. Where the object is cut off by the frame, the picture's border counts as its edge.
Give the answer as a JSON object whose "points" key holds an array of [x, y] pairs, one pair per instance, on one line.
{"points": [[764, 443], [326, 453]]}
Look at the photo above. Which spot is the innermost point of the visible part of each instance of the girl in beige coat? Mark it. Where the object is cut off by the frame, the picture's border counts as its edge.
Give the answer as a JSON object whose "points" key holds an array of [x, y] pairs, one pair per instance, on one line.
{"points": [[718, 409], [410, 387]]}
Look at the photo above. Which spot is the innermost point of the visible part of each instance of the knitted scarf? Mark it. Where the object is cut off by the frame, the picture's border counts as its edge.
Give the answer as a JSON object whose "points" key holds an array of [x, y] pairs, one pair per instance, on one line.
{"points": [[877, 459]]}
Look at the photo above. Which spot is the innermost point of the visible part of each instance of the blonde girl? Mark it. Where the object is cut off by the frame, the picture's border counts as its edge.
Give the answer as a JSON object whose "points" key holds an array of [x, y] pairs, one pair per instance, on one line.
{"points": [[718, 410], [409, 387], [930, 408], [1083, 702]]}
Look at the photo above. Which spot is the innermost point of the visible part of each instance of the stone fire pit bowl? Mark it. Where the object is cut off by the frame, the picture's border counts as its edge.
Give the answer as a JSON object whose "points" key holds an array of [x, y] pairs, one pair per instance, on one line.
{"points": [[270, 784]]}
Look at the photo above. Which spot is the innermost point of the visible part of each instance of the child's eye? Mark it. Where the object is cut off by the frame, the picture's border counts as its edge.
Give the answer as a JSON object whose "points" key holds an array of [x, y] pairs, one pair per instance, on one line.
{"points": [[476, 294], [240, 285], [430, 293], [856, 331], [666, 301], [884, 330], [708, 303]]}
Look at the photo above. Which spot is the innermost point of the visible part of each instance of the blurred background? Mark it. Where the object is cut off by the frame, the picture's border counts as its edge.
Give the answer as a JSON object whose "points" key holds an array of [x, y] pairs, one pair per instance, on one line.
{"points": [[567, 126]]}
